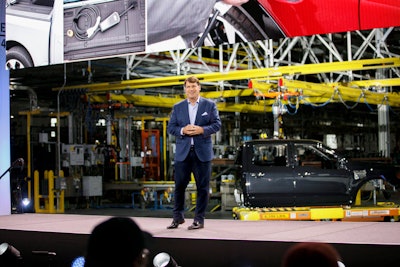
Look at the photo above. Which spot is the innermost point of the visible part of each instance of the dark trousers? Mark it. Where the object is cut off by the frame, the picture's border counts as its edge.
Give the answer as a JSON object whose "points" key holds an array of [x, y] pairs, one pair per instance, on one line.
{"points": [[202, 173]]}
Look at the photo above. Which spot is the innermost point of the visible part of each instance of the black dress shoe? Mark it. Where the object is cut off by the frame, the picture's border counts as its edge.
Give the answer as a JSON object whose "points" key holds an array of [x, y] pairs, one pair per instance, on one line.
{"points": [[196, 225], [175, 224]]}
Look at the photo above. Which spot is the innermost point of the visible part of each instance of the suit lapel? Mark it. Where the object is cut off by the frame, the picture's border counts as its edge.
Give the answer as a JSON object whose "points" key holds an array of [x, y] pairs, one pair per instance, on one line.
{"points": [[185, 111], [200, 110]]}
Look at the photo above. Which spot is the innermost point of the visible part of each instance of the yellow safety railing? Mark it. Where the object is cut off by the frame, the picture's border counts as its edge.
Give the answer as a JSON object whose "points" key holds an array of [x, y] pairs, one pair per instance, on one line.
{"points": [[53, 201]]}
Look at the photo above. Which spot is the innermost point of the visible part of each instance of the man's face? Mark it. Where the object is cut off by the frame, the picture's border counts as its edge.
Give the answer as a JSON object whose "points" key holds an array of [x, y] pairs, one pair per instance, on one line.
{"points": [[192, 91]]}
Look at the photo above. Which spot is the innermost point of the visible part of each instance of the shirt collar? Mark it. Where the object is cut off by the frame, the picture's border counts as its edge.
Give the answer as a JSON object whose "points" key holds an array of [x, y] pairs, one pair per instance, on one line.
{"points": [[197, 101]]}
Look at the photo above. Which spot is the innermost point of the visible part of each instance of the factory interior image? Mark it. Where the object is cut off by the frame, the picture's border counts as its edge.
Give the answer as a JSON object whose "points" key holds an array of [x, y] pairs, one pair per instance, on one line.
{"points": [[114, 128], [92, 137]]}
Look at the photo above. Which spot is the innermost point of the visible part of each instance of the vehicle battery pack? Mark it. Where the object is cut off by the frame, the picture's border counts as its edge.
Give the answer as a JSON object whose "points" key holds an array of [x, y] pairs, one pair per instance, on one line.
{"points": [[103, 28]]}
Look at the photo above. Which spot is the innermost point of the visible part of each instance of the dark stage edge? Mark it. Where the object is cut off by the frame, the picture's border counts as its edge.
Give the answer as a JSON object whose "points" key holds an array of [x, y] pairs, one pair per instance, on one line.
{"points": [[222, 242]]}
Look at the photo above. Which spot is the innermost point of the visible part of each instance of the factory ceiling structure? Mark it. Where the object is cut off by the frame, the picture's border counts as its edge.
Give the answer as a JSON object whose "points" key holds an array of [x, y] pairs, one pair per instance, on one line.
{"points": [[357, 67], [352, 69]]}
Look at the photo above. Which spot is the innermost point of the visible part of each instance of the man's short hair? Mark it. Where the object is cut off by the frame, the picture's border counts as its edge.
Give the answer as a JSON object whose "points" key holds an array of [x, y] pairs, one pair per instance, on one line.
{"points": [[192, 79]]}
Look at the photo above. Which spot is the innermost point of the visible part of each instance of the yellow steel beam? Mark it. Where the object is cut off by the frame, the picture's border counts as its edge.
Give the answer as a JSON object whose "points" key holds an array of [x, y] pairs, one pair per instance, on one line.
{"points": [[141, 100], [375, 83], [33, 112], [263, 84], [339, 92], [62, 114], [228, 93], [308, 93], [256, 107], [319, 93], [39, 112], [168, 102], [123, 98], [273, 72]]}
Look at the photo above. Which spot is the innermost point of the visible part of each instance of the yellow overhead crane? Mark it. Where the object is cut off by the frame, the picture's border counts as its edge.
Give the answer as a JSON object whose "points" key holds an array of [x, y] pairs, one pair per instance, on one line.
{"points": [[307, 92], [273, 72], [168, 102], [264, 87], [358, 91]]}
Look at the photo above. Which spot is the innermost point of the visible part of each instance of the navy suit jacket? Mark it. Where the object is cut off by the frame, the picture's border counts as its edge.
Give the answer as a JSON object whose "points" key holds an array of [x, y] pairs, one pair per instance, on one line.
{"points": [[207, 117]]}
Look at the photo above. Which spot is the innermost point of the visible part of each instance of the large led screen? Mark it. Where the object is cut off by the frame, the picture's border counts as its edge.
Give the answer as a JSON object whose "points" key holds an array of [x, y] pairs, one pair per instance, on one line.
{"points": [[5, 199], [44, 32]]}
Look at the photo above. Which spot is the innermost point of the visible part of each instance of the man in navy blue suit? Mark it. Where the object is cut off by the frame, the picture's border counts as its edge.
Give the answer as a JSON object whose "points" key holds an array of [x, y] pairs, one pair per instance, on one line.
{"points": [[192, 122]]}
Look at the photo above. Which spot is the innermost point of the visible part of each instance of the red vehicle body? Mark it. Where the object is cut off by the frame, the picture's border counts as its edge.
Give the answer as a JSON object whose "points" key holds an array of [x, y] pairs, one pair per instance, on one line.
{"points": [[308, 17]]}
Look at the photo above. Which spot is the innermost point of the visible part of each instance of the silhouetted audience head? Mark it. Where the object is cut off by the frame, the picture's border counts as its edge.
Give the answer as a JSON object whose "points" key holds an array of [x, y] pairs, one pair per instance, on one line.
{"points": [[311, 254], [118, 242]]}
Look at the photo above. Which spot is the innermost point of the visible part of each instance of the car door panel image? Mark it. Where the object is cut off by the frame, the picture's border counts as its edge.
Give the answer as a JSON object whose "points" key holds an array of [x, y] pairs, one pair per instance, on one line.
{"points": [[267, 179], [318, 181]]}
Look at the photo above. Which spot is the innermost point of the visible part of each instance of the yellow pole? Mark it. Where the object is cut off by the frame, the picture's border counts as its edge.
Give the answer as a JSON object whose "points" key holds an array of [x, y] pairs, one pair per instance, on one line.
{"points": [[28, 145], [61, 204], [164, 121], [28, 160], [358, 198], [36, 191], [51, 192], [46, 199], [165, 148], [116, 171], [194, 194]]}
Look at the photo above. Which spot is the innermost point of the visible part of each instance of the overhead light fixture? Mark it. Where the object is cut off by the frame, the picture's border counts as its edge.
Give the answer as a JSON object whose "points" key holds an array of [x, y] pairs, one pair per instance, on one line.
{"points": [[9, 255], [163, 259]]}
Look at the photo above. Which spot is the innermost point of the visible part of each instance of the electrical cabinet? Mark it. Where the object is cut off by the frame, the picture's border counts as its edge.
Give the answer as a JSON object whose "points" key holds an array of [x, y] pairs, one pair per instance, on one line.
{"points": [[92, 186]]}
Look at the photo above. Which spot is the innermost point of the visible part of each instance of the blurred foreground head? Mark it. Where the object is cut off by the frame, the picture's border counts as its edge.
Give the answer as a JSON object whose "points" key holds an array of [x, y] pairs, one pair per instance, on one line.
{"points": [[117, 242], [311, 254]]}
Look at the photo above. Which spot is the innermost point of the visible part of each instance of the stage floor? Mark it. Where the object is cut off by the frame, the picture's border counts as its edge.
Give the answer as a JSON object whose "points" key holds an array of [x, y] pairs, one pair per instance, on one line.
{"points": [[224, 242], [383, 233]]}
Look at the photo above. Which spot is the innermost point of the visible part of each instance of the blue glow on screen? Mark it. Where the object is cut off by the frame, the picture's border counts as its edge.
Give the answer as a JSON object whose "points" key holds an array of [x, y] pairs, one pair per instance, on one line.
{"points": [[78, 262], [5, 201]]}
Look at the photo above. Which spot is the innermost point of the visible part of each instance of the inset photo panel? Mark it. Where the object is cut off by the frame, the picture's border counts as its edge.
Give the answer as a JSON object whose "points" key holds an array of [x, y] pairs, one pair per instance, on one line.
{"points": [[103, 28], [179, 24], [34, 33]]}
